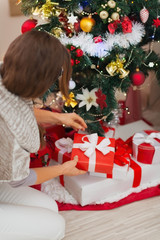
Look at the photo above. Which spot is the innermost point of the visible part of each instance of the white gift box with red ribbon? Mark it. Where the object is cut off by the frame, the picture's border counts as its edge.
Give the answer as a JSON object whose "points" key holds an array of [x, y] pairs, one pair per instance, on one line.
{"points": [[146, 147], [87, 189]]}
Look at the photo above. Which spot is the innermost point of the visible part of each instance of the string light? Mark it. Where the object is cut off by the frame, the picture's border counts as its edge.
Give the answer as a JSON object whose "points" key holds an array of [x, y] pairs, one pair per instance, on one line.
{"points": [[98, 120]]}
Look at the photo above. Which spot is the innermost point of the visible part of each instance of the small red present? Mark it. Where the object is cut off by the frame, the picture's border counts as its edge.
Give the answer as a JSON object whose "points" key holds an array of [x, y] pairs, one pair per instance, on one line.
{"points": [[146, 147], [63, 149], [96, 154]]}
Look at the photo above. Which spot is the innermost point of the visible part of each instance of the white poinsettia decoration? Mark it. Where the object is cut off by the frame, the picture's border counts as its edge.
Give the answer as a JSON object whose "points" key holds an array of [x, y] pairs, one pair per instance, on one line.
{"points": [[87, 98]]}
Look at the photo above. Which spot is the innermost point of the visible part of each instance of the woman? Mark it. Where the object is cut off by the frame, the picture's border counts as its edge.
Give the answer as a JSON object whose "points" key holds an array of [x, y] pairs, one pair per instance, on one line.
{"points": [[32, 63]]}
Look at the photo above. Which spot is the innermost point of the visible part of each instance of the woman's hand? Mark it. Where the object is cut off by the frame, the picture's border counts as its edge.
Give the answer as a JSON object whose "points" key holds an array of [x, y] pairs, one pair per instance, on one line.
{"points": [[72, 120], [69, 168], [48, 118]]}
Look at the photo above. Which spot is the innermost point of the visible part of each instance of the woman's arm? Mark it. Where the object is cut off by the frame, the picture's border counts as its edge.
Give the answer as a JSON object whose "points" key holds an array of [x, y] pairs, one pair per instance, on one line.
{"points": [[68, 169], [48, 118], [43, 174]]}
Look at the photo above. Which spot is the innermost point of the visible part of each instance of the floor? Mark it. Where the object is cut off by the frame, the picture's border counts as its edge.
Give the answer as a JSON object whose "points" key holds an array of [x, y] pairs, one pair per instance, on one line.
{"points": [[136, 221]]}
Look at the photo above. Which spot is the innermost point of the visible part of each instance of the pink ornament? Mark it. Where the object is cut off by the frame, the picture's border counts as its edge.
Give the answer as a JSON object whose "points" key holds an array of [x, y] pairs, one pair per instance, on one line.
{"points": [[144, 15]]}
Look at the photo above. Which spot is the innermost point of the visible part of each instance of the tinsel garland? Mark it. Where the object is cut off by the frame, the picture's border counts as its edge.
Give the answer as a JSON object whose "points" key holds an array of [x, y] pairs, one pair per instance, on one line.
{"points": [[87, 44]]}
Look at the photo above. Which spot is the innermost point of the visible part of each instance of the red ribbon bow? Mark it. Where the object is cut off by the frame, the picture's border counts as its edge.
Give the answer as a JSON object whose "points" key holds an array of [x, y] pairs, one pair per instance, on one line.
{"points": [[122, 157]]}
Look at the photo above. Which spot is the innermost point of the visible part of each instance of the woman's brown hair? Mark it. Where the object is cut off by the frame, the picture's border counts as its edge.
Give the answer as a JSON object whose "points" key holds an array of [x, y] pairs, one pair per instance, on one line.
{"points": [[33, 62]]}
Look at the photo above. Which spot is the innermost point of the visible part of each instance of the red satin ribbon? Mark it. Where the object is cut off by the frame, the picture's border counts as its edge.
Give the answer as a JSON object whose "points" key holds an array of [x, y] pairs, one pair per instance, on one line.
{"points": [[122, 157]]}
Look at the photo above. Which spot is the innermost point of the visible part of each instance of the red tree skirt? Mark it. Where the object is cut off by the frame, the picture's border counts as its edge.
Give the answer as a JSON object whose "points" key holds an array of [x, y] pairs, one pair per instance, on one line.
{"points": [[147, 193]]}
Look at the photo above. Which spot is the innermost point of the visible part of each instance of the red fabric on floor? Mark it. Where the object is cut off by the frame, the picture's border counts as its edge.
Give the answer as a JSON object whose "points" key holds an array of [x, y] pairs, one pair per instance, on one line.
{"points": [[147, 193]]}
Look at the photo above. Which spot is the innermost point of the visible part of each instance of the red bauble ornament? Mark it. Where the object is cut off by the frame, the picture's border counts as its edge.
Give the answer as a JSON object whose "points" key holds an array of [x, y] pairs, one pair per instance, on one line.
{"points": [[28, 25], [79, 52], [137, 77]]}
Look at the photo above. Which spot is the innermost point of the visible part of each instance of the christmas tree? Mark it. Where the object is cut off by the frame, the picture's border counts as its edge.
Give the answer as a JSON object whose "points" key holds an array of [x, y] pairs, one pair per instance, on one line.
{"points": [[105, 40]]}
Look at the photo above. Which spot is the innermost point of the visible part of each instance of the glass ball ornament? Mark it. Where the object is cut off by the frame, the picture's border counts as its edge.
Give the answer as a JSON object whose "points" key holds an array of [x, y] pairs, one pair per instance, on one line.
{"points": [[111, 4], [103, 14], [28, 25], [137, 77], [115, 16], [85, 3], [72, 84], [87, 23], [79, 10]]}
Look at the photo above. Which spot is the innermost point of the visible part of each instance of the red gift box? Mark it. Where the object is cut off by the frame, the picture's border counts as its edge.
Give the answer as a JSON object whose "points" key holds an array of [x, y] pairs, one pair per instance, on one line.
{"points": [[63, 149], [146, 147], [96, 154]]}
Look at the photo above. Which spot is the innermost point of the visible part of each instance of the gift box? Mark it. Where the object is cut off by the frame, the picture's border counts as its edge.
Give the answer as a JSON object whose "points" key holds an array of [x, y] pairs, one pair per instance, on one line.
{"points": [[88, 189], [63, 149], [146, 147], [96, 154]]}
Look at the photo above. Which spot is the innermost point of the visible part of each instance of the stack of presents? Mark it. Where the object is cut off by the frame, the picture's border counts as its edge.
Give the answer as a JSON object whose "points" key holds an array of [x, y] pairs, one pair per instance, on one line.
{"points": [[114, 167]]}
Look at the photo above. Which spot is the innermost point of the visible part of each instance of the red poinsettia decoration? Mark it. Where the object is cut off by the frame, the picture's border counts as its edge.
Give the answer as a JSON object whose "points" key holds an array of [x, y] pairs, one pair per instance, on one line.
{"points": [[113, 26], [126, 25], [101, 99], [125, 22], [156, 22]]}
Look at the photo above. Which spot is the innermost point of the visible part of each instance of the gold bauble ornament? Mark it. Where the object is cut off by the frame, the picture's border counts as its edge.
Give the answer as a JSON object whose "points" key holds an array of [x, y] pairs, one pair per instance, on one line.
{"points": [[115, 16], [87, 23], [111, 4], [103, 14], [57, 31]]}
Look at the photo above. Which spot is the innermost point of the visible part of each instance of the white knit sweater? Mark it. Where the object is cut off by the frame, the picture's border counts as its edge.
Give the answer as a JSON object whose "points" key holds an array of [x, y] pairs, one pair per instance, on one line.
{"points": [[19, 136]]}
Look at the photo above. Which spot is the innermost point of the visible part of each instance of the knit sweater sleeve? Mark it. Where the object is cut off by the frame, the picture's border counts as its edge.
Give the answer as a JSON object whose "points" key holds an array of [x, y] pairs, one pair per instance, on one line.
{"points": [[28, 181]]}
